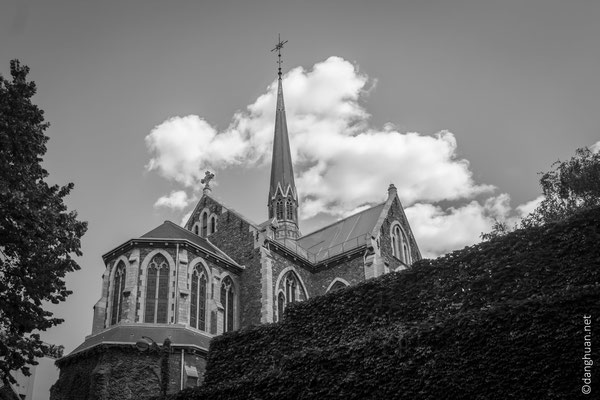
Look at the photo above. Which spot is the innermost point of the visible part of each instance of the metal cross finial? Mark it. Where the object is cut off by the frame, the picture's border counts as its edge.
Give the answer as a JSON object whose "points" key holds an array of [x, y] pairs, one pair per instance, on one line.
{"points": [[208, 176], [278, 47]]}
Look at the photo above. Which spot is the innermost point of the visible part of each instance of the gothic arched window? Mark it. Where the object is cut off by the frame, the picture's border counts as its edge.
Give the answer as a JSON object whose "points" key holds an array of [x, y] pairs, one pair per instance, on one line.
{"points": [[213, 224], [196, 229], [198, 300], [289, 208], [280, 306], [204, 223], [117, 298], [279, 209], [337, 286], [157, 290], [400, 248], [227, 298], [290, 291]]}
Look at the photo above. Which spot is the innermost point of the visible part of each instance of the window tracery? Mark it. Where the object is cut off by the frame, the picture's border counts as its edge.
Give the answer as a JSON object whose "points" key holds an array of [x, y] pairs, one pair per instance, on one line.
{"points": [[400, 246], [279, 209], [117, 297], [157, 290], [198, 300], [227, 299]]}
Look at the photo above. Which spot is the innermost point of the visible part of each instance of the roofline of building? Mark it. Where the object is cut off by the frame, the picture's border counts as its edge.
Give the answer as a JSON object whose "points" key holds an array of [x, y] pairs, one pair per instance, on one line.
{"points": [[341, 220], [113, 343], [316, 266], [108, 344], [225, 206], [131, 242]]}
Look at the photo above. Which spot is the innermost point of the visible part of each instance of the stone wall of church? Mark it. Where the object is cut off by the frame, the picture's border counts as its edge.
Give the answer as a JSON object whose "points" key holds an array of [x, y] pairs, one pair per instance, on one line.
{"points": [[237, 238], [351, 271], [316, 284], [281, 265]]}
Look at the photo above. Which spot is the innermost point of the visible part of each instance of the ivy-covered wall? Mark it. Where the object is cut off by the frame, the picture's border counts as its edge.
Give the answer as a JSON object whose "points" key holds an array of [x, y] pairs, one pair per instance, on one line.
{"points": [[502, 319], [119, 372]]}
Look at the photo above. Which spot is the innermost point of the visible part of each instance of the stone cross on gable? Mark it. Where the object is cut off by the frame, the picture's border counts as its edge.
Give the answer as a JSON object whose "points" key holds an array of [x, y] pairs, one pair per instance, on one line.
{"points": [[208, 176]]}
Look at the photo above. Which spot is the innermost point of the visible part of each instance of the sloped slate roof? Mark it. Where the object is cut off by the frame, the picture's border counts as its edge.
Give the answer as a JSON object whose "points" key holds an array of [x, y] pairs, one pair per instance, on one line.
{"points": [[170, 230], [129, 334], [348, 232]]}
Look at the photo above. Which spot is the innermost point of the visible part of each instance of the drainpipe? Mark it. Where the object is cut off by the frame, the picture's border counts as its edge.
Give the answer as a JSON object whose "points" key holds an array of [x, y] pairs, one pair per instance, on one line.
{"points": [[176, 317], [182, 369]]}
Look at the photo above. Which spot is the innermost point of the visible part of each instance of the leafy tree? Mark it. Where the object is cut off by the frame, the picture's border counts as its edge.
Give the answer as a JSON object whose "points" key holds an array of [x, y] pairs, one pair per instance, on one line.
{"points": [[38, 236], [499, 228], [569, 187]]}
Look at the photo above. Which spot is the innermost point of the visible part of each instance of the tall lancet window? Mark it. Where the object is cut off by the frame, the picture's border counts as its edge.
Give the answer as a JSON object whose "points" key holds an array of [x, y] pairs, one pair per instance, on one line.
{"points": [[227, 298], [157, 291], [198, 300], [279, 209], [213, 224], [280, 306], [117, 298], [400, 248], [204, 223], [289, 209]]}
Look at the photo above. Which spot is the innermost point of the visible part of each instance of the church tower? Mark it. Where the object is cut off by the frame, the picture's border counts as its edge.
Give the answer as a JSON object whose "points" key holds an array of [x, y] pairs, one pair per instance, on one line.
{"points": [[283, 197]]}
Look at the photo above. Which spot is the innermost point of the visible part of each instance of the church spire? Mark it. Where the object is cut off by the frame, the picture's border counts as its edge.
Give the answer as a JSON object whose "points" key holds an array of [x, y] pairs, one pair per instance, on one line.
{"points": [[283, 198]]}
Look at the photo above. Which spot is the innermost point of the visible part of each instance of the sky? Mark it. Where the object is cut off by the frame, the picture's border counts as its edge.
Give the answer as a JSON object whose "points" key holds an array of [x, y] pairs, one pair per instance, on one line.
{"points": [[459, 103]]}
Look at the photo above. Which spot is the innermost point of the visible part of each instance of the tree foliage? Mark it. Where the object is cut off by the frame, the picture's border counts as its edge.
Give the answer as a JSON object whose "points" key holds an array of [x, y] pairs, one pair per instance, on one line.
{"points": [[569, 187], [38, 235]]}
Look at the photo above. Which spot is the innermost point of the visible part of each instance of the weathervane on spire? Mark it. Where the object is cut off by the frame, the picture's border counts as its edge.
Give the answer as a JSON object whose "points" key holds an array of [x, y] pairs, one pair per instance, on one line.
{"points": [[278, 47], [208, 176]]}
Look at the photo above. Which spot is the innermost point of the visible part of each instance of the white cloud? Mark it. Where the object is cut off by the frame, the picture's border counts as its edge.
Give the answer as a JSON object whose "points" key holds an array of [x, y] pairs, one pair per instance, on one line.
{"points": [[439, 231], [176, 200], [185, 218], [341, 163], [183, 147], [595, 148]]}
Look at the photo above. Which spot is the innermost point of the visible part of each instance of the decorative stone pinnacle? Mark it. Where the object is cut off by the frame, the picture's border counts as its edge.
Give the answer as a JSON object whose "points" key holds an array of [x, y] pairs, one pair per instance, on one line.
{"points": [[208, 176], [392, 190]]}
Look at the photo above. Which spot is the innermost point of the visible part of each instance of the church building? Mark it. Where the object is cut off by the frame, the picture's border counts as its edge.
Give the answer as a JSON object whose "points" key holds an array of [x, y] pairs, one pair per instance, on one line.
{"points": [[218, 273]]}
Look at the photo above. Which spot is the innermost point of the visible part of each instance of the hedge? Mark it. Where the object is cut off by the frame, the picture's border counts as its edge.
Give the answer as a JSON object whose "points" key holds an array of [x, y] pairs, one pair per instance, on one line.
{"points": [[497, 320]]}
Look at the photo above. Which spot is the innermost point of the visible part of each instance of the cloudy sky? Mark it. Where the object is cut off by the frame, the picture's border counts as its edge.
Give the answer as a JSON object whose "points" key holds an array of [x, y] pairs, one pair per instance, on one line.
{"points": [[458, 103]]}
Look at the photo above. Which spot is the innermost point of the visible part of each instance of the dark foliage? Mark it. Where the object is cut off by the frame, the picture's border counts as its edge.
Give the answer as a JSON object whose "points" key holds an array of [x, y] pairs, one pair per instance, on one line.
{"points": [[502, 319], [38, 236]]}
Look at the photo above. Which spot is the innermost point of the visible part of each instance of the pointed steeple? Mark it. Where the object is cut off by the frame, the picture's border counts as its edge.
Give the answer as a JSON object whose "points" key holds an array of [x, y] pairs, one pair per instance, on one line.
{"points": [[283, 198], [282, 173]]}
